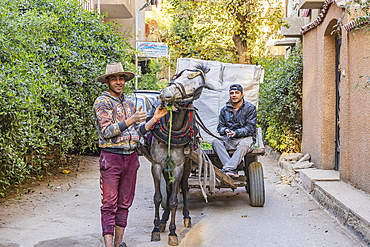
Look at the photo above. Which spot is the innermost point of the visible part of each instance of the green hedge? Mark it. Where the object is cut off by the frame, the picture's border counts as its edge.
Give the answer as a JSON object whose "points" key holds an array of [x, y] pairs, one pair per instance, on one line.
{"points": [[148, 80], [280, 102], [51, 51]]}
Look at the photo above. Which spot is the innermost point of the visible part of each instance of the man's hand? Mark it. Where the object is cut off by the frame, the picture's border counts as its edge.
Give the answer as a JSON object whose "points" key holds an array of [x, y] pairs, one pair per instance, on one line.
{"points": [[230, 133], [159, 113], [139, 116]]}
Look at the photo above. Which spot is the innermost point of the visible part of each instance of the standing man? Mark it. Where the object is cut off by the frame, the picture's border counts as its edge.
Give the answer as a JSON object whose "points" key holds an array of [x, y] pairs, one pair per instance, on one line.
{"points": [[237, 127], [117, 122]]}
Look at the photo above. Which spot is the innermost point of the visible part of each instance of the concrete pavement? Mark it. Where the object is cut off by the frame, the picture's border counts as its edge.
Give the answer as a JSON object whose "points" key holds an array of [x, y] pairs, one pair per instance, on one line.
{"points": [[64, 212], [348, 204]]}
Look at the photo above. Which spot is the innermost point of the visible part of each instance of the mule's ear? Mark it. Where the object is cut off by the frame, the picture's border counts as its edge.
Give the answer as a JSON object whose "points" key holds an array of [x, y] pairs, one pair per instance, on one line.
{"points": [[206, 70], [203, 67], [210, 87]]}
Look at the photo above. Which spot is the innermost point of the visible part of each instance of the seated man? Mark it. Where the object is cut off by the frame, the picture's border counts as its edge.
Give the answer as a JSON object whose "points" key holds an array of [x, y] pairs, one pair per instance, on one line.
{"points": [[237, 127]]}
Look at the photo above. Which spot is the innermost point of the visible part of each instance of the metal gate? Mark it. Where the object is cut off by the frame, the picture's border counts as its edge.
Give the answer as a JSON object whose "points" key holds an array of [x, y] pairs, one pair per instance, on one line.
{"points": [[338, 42]]}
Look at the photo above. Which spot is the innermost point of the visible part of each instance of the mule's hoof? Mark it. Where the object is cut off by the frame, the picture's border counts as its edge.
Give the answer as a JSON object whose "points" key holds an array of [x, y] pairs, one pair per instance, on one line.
{"points": [[156, 236], [172, 240], [162, 227], [187, 222]]}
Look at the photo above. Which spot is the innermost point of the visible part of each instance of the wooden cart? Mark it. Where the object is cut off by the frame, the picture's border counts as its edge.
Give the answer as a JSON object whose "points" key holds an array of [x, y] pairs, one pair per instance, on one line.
{"points": [[251, 175], [221, 75]]}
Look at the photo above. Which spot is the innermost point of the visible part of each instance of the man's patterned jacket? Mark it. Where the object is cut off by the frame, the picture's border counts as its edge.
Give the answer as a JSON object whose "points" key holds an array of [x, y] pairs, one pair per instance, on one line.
{"points": [[114, 135]]}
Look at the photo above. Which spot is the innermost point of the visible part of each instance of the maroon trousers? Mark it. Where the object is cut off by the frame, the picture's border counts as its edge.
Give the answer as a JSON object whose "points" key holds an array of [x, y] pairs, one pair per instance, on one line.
{"points": [[117, 184]]}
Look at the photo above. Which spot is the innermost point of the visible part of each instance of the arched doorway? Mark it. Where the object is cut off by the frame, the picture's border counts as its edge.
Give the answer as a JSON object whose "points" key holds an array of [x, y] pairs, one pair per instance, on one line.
{"points": [[331, 101]]}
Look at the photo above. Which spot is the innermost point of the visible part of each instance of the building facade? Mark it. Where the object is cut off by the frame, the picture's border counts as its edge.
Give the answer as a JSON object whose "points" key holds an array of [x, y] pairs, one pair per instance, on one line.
{"points": [[297, 14], [336, 119], [130, 14]]}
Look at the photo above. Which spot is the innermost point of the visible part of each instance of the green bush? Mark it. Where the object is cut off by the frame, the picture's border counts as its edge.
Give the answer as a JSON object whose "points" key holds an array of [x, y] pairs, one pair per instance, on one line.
{"points": [[280, 102], [149, 80], [51, 51]]}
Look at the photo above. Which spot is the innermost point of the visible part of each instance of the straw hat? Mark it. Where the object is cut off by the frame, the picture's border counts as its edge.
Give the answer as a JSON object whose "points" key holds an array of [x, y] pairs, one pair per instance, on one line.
{"points": [[116, 69]]}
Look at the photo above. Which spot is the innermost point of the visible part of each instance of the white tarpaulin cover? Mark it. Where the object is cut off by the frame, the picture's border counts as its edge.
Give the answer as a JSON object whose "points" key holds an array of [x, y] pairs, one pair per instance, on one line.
{"points": [[221, 76]]}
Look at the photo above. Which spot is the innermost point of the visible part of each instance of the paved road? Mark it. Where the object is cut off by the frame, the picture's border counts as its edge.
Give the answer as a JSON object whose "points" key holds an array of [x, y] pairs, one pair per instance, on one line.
{"points": [[66, 213]]}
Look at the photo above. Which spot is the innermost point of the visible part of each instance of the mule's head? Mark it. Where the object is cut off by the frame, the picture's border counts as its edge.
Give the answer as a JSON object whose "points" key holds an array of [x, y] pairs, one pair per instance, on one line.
{"points": [[186, 86]]}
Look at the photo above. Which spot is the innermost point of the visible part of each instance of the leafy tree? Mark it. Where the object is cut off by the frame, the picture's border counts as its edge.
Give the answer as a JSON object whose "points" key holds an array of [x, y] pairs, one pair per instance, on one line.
{"points": [[254, 23], [217, 30], [51, 52], [148, 79], [201, 30]]}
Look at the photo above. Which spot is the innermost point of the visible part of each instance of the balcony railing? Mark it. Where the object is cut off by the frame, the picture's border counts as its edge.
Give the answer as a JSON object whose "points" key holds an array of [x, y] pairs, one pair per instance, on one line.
{"points": [[87, 4], [311, 4], [118, 9], [295, 26]]}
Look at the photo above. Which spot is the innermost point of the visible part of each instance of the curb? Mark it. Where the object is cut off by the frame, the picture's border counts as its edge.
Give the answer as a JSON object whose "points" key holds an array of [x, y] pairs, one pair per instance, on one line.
{"points": [[348, 204]]}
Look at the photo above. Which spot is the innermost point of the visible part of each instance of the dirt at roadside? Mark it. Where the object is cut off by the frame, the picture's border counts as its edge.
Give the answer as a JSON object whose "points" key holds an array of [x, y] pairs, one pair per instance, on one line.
{"points": [[65, 170], [56, 206]]}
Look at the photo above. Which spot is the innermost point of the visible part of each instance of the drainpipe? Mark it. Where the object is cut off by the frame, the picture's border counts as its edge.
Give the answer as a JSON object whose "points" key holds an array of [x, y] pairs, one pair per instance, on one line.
{"points": [[98, 7], [136, 55]]}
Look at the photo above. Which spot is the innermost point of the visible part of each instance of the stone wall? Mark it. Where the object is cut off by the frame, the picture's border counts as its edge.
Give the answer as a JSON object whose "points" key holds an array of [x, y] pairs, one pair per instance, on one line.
{"points": [[319, 100], [319, 91], [355, 113]]}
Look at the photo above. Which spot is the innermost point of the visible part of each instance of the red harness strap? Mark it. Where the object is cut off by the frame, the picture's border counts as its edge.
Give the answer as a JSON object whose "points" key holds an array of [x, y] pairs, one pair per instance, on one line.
{"points": [[176, 136], [158, 122], [190, 131]]}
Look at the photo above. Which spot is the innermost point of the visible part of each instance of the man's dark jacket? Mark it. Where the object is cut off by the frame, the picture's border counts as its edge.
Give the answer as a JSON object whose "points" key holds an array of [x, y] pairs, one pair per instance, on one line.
{"points": [[243, 123]]}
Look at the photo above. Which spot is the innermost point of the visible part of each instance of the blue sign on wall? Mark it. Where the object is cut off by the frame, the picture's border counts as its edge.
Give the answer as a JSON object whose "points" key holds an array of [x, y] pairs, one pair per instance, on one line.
{"points": [[152, 49]]}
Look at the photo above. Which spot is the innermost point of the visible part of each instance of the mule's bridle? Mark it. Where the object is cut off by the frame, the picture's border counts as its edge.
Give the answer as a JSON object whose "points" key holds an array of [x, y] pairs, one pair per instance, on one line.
{"points": [[187, 98]]}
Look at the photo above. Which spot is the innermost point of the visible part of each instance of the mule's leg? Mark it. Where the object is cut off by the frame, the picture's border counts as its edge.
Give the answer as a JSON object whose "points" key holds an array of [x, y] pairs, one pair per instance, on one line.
{"points": [[156, 173], [184, 188], [166, 212], [178, 173]]}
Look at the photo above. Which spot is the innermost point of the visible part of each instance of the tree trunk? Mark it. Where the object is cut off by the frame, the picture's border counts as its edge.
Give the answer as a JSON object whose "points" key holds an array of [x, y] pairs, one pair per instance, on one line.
{"points": [[241, 47], [240, 38]]}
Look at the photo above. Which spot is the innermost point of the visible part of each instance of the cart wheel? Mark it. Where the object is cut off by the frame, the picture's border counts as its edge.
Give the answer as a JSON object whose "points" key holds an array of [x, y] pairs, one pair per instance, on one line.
{"points": [[256, 185], [246, 177]]}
